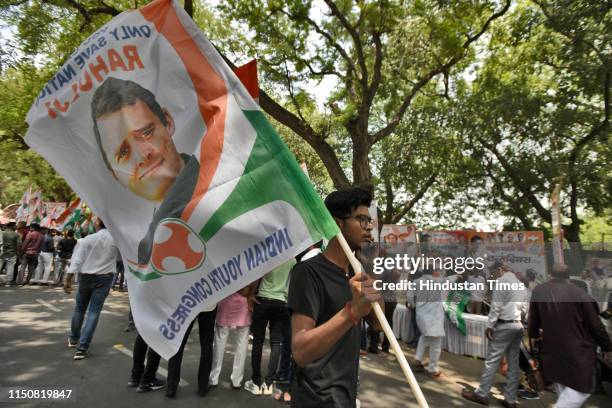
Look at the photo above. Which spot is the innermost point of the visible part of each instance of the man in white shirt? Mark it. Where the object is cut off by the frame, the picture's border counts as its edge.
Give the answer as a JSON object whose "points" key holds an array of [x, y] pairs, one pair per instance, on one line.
{"points": [[94, 259], [504, 331], [430, 321]]}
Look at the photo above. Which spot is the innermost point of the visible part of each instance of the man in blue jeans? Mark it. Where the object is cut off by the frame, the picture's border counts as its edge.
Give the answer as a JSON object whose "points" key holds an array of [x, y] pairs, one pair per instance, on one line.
{"points": [[94, 259]]}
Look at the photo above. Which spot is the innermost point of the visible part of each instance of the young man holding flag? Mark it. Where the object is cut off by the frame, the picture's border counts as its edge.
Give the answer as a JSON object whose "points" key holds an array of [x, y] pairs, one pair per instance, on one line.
{"points": [[327, 300]]}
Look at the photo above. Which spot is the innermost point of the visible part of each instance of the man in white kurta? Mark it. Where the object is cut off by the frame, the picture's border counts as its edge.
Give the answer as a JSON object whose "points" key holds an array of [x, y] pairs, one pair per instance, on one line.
{"points": [[430, 320]]}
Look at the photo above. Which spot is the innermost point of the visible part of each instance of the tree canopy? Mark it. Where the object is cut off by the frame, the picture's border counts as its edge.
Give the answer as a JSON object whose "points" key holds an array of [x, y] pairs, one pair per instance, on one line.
{"points": [[448, 111]]}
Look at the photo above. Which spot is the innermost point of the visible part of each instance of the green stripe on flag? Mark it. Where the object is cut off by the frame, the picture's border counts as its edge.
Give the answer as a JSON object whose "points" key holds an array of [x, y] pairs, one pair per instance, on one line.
{"points": [[144, 276], [454, 305], [272, 174]]}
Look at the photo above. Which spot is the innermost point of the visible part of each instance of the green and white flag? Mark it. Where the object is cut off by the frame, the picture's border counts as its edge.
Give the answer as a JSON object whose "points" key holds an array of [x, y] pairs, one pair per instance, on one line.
{"points": [[454, 306], [150, 127], [71, 214]]}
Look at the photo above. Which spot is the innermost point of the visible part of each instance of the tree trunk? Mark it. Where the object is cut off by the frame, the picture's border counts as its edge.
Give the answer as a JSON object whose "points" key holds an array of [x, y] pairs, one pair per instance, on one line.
{"points": [[571, 232], [189, 7], [362, 174]]}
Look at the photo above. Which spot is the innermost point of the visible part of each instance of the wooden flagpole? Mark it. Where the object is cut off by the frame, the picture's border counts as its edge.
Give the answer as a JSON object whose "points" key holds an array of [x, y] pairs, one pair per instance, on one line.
{"points": [[399, 354]]}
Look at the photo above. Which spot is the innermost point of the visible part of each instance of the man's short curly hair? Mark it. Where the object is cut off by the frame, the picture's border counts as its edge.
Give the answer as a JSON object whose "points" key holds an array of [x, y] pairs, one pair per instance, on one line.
{"points": [[341, 203]]}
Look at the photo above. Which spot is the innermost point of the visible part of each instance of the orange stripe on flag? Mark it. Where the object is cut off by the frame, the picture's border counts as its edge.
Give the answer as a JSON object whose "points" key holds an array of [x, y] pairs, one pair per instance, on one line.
{"points": [[247, 74], [209, 86]]}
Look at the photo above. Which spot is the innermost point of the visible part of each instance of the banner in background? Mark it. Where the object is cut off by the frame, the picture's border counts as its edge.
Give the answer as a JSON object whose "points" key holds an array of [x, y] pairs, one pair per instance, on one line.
{"points": [[401, 238], [443, 243], [521, 250]]}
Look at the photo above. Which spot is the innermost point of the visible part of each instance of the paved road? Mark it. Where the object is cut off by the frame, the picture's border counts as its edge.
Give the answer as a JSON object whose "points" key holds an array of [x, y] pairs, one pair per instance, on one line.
{"points": [[33, 325]]}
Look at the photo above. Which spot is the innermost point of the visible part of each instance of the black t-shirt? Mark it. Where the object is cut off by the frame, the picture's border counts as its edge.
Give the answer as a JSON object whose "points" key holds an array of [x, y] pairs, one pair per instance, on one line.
{"points": [[65, 247], [319, 289], [47, 244]]}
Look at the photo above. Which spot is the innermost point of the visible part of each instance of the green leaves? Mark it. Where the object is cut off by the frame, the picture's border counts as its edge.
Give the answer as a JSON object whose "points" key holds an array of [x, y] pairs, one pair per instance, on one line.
{"points": [[452, 110]]}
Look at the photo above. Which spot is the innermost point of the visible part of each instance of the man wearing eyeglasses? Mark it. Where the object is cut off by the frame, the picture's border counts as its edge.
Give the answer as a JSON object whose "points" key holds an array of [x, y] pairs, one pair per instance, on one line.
{"points": [[327, 300]]}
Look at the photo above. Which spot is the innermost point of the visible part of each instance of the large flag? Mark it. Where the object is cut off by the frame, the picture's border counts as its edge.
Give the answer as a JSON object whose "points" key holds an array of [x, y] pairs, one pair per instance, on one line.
{"points": [[149, 125]]}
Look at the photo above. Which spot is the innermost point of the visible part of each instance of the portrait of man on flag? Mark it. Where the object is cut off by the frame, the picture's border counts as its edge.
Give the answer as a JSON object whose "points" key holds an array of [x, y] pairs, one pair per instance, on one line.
{"points": [[134, 134]]}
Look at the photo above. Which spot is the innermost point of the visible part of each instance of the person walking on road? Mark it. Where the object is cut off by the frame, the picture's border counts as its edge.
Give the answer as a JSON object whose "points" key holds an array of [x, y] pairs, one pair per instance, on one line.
{"points": [[94, 259], [567, 320], [11, 242], [327, 299], [31, 246], [430, 320], [144, 377], [65, 247], [504, 331]]}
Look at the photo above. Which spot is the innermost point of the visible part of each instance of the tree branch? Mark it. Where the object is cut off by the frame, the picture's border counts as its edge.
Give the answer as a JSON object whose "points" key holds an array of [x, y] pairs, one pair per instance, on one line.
{"points": [[15, 137], [80, 8], [87, 13], [390, 127], [513, 203], [376, 77], [325, 151], [518, 183], [559, 28], [105, 9], [188, 6], [304, 130], [575, 153], [356, 42], [410, 203], [296, 105], [389, 197], [326, 35]]}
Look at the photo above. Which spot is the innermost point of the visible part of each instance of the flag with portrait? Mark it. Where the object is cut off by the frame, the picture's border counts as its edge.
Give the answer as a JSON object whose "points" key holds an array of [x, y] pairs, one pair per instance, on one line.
{"points": [[161, 138]]}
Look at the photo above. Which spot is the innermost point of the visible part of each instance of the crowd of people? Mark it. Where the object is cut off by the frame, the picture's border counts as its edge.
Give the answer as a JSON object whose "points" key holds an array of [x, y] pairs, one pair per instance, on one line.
{"points": [[33, 255], [545, 336], [318, 312]]}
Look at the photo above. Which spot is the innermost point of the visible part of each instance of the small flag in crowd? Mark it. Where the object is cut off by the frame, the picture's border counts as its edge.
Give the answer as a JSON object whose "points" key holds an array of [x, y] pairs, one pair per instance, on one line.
{"points": [[69, 216], [34, 208], [22, 211]]}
